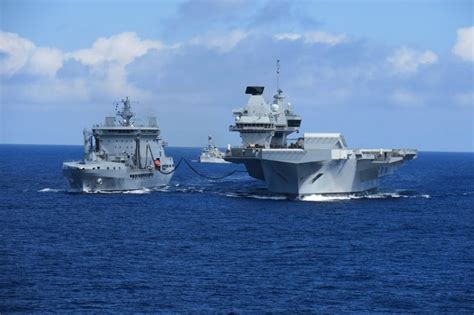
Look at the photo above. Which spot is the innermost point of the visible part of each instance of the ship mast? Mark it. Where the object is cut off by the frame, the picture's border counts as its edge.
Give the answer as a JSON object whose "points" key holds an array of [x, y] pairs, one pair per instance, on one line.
{"points": [[278, 73], [126, 112]]}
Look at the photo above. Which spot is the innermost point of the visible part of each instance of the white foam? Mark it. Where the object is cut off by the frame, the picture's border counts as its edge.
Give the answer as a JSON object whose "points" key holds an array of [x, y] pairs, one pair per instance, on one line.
{"points": [[133, 191], [232, 195], [50, 190], [138, 191], [383, 196], [327, 198]]}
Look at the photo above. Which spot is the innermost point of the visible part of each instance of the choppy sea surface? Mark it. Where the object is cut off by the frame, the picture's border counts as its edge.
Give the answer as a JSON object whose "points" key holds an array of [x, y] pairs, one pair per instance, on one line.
{"points": [[230, 246]]}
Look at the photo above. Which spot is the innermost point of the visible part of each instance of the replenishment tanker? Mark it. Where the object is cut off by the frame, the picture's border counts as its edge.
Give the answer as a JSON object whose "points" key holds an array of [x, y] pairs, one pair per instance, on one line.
{"points": [[211, 153], [317, 163], [121, 154]]}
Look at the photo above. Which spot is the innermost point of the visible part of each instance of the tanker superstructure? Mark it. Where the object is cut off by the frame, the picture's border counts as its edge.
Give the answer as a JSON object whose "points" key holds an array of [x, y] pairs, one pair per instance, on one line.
{"points": [[121, 154], [316, 163]]}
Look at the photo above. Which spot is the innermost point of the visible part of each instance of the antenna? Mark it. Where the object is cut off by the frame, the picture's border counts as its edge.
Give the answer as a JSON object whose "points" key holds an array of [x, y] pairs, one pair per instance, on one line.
{"points": [[278, 74]]}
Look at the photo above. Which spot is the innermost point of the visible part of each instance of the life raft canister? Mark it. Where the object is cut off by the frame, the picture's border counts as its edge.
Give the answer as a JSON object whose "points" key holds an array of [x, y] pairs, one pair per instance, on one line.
{"points": [[157, 164]]}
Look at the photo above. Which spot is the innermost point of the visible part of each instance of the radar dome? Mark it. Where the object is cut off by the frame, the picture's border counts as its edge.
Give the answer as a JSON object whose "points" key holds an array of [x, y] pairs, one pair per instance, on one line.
{"points": [[275, 107]]}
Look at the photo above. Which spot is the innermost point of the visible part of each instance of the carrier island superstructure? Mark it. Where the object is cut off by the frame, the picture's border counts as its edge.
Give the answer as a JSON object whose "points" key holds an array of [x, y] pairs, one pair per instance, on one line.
{"points": [[121, 154], [317, 163]]}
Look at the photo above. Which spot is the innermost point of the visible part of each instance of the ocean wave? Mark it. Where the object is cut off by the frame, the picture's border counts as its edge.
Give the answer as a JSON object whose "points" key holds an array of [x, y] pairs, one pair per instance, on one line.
{"points": [[254, 196], [263, 197]]}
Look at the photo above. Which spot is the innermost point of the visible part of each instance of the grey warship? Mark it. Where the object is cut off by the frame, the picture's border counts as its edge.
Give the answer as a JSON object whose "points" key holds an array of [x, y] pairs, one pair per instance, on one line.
{"points": [[317, 163], [121, 154], [211, 153]]}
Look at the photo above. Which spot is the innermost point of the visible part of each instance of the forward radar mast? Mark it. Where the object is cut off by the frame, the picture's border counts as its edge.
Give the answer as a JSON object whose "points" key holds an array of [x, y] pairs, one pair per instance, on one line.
{"points": [[278, 73]]}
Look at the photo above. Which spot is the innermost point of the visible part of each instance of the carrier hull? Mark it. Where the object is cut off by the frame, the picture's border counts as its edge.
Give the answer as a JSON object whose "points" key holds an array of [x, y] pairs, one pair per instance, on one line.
{"points": [[304, 172]]}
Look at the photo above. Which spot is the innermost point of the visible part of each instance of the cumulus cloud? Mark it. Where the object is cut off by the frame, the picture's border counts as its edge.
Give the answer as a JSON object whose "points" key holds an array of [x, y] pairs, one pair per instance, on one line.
{"points": [[122, 48], [23, 55], [103, 73], [316, 37], [406, 98], [17, 51], [324, 38], [464, 47], [407, 61], [45, 60], [287, 36], [222, 43]]}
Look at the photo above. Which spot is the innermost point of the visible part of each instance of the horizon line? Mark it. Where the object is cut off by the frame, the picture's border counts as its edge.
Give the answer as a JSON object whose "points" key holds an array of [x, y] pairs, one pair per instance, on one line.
{"points": [[181, 146]]}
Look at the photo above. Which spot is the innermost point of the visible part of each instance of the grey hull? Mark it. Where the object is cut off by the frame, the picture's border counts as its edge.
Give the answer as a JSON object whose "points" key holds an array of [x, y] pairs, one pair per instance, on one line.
{"points": [[106, 180], [206, 159], [302, 172]]}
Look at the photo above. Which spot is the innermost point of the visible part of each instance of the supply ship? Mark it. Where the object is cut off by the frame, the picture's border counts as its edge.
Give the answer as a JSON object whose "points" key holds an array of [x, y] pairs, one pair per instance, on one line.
{"points": [[121, 154]]}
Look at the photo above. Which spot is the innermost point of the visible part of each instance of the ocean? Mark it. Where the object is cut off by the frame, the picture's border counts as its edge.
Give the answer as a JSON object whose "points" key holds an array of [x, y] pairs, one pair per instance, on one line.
{"points": [[228, 245]]}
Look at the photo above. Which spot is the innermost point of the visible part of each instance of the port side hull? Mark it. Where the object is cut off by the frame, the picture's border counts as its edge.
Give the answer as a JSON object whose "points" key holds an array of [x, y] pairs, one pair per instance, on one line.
{"points": [[105, 180]]}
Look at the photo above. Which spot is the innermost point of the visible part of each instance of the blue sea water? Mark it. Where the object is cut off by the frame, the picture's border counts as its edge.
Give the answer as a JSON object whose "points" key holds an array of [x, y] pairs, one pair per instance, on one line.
{"points": [[230, 246]]}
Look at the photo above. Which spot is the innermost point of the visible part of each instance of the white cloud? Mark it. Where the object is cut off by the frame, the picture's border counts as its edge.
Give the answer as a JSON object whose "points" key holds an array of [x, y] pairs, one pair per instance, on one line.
{"points": [[406, 60], [122, 48], [287, 36], [17, 50], [24, 55], [316, 37], [46, 61], [222, 43], [464, 47], [324, 38], [407, 98], [107, 76]]}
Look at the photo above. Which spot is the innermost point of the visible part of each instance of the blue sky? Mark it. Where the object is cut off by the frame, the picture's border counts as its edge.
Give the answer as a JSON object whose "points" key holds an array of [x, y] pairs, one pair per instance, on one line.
{"points": [[386, 74]]}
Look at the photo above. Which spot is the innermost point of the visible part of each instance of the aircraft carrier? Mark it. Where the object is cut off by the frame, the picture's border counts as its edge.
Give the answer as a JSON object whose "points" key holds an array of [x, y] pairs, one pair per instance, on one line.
{"points": [[316, 163], [121, 154]]}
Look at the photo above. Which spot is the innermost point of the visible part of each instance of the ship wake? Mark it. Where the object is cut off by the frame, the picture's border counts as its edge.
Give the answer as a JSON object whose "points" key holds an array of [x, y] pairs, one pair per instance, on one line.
{"points": [[345, 197]]}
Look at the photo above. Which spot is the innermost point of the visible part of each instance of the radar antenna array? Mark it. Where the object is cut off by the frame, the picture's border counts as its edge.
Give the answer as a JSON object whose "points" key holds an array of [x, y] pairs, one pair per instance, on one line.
{"points": [[278, 73], [126, 112]]}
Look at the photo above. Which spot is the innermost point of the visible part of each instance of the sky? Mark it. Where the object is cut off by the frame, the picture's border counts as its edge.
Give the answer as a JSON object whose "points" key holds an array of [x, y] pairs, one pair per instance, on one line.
{"points": [[391, 74]]}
